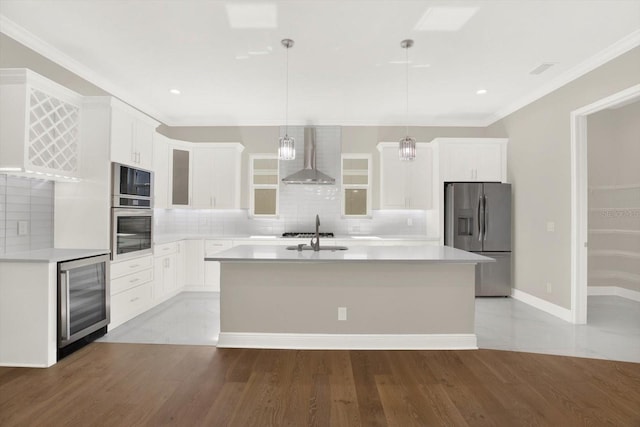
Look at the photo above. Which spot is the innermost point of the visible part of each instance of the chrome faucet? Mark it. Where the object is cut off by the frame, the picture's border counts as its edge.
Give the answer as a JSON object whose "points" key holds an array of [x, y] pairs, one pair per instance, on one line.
{"points": [[316, 244]]}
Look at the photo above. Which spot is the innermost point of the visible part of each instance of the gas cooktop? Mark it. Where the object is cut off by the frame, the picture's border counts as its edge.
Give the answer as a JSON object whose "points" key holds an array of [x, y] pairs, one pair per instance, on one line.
{"points": [[304, 235]]}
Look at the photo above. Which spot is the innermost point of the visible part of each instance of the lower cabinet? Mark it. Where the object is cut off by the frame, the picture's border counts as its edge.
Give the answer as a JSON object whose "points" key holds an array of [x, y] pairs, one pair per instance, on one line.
{"points": [[165, 268], [212, 268], [131, 289]]}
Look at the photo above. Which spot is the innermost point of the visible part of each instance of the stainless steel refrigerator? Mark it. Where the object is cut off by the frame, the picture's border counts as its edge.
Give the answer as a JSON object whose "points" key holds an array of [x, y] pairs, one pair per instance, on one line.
{"points": [[478, 219]]}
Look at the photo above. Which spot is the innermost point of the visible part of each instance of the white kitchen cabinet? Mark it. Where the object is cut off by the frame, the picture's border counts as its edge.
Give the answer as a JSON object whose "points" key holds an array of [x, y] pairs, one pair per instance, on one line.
{"points": [[216, 175], [472, 159], [39, 126], [194, 265], [405, 184], [160, 171], [356, 185], [180, 174], [264, 185], [181, 265], [212, 268], [131, 136], [165, 283], [131, 289]]}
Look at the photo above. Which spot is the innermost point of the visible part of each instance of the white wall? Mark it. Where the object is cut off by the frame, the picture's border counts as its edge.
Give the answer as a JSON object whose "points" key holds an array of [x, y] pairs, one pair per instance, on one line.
{"points": [[539, 162], [614, 197]]}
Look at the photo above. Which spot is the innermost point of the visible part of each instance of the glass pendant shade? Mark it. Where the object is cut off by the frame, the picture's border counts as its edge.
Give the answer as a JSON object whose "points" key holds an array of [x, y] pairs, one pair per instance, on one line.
{"points": [[407, 148], [286, 148]]}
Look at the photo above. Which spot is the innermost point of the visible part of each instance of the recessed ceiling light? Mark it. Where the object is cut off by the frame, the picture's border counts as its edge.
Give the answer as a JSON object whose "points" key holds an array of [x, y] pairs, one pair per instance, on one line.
{"points": [[399, 62], [421, 66], [175, 91], [445, 18], [242, 56], [258, 52], [481, 91], [252, 15]]}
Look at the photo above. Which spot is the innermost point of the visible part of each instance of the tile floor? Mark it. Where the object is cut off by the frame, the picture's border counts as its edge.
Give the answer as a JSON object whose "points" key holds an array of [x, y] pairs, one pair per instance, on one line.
{"points": [[612, 331]]}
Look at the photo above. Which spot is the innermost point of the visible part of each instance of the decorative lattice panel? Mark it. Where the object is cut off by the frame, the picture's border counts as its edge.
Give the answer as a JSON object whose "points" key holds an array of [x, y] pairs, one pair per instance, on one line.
{"points": [[53, 133]]}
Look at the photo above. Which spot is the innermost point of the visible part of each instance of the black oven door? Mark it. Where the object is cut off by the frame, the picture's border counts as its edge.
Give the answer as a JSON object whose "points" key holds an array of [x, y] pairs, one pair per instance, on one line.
{"points": [[131, 233], [134, 182]]}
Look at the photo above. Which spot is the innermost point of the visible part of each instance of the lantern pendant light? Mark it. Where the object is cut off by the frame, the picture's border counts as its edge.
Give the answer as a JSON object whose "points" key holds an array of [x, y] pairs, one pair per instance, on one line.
{"points": [[286, 146], [407, 146]]}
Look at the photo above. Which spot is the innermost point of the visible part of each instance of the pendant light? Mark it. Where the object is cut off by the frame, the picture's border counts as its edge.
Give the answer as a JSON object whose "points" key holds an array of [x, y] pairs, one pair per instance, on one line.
{"points": [[286, 146], [407, 147]]}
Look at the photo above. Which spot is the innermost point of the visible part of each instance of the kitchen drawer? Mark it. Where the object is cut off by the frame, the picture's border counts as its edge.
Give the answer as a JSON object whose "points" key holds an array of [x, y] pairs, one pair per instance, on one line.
{"points": [[213, 246], [129, 281], [122, 268], [128, 304], [165, 249]]}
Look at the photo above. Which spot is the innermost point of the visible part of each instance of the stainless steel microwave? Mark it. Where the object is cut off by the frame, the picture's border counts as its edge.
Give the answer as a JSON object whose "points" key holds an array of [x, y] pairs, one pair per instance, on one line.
{"points": [[132, 187]]}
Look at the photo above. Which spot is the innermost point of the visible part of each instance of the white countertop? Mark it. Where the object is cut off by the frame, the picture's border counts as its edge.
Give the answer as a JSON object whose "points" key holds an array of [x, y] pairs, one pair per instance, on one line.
{"points": [[435, 254], [51, 255]]}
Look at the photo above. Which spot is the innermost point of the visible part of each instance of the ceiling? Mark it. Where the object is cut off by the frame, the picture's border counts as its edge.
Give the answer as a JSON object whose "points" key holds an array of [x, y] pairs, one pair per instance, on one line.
{"points": [[347, 66]]}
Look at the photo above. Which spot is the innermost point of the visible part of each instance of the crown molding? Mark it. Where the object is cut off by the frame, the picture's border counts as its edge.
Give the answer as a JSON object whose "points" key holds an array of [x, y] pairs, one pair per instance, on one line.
{"points": [[30, 40], [431, 122], [618, 48]]}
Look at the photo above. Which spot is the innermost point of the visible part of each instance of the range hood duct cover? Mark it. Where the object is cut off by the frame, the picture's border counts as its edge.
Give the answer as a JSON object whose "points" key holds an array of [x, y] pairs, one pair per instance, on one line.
{"points": [[309, 175]]}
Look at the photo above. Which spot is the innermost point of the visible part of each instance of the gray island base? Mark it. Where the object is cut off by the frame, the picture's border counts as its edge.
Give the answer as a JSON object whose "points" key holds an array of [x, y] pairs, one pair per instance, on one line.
{"points": [[372, 297]]}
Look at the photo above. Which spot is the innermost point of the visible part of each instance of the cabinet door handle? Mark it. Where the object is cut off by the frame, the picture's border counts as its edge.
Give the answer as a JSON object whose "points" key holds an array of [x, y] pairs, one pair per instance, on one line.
{"points": [[134, 299], [134, 265], [134, 280]]}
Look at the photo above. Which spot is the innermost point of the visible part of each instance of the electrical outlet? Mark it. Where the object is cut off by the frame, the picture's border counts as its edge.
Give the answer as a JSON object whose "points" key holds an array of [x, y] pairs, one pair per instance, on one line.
{"points": [[549, 289], [23, 228], [551, 226], [410, 222], [342, 313]]}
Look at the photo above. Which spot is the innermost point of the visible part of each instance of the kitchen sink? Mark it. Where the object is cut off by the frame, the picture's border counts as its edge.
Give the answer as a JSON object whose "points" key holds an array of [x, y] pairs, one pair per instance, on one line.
{"points": [[322, 248]]}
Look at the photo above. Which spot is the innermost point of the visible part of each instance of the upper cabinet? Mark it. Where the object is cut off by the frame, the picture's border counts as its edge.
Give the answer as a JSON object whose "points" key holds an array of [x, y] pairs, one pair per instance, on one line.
{"points": [[39, 126], [356, 185], [131, 136], [405, 184], [472, 159], [264, 185], [160, 171], [216, 175], [180, 174]]}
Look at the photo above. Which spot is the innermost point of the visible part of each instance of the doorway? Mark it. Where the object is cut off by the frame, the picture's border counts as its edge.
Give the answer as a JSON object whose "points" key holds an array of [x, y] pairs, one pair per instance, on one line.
{"points": [[580, 196]]}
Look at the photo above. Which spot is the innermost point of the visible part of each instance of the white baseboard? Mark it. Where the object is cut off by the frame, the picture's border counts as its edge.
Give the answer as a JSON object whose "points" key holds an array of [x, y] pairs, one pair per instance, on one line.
{"points": [[348, 341], [189, 288], [614, 290], [23, 365], [540, 304]]}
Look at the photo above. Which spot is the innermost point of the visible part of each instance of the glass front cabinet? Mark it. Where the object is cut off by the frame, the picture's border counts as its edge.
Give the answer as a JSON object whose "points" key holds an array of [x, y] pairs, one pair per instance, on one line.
{"points": [[356, 185]]}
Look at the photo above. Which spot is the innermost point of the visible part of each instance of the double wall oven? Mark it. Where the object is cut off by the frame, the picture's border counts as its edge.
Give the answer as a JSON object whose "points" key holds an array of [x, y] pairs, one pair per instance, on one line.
{"points": [[131, 213]]}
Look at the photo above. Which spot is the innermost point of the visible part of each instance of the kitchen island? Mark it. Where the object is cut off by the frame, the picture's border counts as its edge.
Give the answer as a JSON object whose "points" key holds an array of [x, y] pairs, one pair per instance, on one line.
{"points": [[366, 297]]}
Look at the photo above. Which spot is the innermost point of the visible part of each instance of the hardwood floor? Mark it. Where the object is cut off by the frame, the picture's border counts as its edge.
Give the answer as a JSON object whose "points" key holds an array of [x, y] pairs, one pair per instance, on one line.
{"points": [[138, 384]]}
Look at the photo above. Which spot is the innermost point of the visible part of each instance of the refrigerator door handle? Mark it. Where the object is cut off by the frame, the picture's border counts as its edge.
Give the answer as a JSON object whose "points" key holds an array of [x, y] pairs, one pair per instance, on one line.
{"points": [[480, 219], [485, 218]]}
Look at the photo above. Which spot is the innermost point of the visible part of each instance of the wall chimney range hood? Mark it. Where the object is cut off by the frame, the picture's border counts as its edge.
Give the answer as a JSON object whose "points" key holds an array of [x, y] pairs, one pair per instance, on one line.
{"points": [[309, 175]]}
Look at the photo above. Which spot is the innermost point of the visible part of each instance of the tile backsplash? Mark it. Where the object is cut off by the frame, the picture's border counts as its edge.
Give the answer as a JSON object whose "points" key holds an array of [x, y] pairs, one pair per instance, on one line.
{"points": [[238, 222], [26, 214]]}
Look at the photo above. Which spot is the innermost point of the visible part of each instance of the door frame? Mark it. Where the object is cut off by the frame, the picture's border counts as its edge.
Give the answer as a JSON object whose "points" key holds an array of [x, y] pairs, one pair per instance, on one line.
{"points": [[579, 196]]}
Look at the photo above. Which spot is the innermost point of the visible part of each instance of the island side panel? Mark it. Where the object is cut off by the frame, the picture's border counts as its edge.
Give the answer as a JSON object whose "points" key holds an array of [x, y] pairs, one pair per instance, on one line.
{"points": [[381, 297], [28, 314]]}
